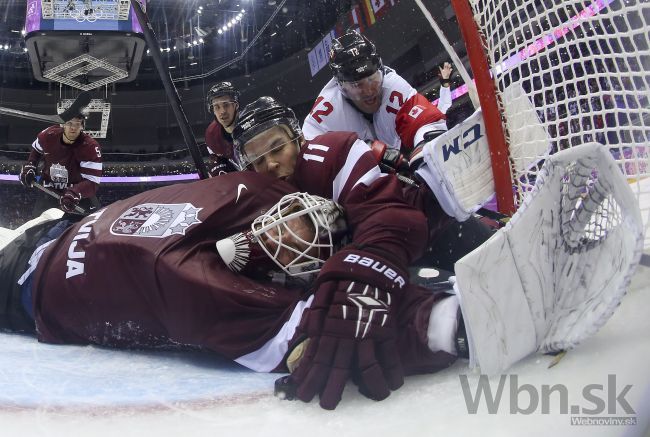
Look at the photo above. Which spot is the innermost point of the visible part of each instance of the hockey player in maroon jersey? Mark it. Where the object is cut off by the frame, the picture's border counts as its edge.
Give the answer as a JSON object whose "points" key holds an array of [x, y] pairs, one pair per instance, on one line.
{"points": [[72, 166], [383, 221], [270, 140], [222, 101], [182, 265], [156, 270]]}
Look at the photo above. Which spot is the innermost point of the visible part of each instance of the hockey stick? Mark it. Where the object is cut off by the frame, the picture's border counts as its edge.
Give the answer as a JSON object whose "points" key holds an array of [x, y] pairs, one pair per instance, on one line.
{"points": [[170, 90], [80, 102], [77, 208], [502, 219]]}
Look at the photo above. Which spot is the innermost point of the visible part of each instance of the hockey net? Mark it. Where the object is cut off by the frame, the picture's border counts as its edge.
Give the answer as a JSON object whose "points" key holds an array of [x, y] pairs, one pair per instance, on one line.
{"points": [[579, 70]]}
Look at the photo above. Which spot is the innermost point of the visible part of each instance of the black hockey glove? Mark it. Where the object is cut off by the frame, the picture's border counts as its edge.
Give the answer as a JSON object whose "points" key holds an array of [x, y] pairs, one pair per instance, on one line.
{"points": [[389, 160], [351, 330], [221, 165], [69, 201], [28, 174], [416, 158]]}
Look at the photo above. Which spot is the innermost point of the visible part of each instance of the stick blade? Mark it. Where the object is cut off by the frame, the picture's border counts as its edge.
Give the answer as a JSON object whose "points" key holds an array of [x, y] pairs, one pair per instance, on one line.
{"points": [[81, 102]]}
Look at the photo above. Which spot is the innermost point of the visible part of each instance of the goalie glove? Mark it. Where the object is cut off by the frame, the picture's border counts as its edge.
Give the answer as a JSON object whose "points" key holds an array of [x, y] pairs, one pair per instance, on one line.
{"points": [[352, 331], [28, 174], [69, 201]]}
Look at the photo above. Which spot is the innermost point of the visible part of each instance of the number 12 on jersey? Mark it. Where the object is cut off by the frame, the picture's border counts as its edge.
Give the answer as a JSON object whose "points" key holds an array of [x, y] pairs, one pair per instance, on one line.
{"points": [[318, 113]]}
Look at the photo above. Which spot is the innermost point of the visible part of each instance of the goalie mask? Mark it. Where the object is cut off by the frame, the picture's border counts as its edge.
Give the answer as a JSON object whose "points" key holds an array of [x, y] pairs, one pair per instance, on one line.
{"points": [[297, 235], [299, 232]]}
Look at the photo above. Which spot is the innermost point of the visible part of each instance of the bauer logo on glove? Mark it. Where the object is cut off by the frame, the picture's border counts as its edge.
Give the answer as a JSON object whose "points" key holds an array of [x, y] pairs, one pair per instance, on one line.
{"points": [[376, 266]]}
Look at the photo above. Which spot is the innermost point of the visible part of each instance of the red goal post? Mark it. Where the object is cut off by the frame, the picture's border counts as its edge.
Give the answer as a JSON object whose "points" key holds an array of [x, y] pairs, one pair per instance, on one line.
{"points": [[565, 71]]}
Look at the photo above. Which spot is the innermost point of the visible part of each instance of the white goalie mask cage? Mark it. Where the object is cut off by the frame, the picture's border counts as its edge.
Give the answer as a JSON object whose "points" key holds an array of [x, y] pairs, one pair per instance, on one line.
{"points": [[275, 234]]}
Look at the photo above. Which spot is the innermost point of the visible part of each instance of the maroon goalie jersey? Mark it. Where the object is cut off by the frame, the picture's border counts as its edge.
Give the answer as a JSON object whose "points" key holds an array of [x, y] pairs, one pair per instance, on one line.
{"points": [[144, 272], [77, 166]]}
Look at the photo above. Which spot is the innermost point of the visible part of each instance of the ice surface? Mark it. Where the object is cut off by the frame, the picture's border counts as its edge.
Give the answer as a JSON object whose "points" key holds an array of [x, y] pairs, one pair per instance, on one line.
{"points": [[87, 391]]}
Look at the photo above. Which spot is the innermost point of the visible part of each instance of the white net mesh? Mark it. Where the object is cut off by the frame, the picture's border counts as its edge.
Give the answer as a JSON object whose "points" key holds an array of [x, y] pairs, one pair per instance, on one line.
{"points": [[585, 67]]}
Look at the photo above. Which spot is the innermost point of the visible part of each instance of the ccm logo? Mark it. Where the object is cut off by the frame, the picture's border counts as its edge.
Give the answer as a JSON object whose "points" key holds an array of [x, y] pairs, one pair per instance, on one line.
{"points": [[470, 136], [376, 266]]}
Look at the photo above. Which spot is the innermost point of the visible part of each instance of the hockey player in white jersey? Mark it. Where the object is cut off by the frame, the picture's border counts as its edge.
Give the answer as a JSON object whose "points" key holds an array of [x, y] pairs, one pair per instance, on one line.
{"points": [[372, 100]]}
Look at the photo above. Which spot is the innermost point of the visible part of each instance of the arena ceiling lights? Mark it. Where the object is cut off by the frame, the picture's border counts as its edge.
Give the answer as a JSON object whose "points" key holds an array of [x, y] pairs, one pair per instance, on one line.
{"points": [[232, 22]]}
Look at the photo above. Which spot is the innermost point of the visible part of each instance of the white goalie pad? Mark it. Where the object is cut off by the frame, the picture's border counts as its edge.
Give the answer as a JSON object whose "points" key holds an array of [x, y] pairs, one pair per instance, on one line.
{"points": [[7, 235], [458, 168], [555, 274]]}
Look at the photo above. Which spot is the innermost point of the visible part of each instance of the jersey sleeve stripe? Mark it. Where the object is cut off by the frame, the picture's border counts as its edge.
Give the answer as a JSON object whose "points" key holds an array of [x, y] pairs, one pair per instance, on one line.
{"points": [[91, 178], [436, 125], [91, 165], [371, 176], [356, 151], [37, 146], [270, 355]]}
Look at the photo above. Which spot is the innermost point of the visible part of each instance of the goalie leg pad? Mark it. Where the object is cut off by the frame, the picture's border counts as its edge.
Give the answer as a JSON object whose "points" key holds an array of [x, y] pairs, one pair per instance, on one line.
{"points": [[555, 274], [7, 235]]}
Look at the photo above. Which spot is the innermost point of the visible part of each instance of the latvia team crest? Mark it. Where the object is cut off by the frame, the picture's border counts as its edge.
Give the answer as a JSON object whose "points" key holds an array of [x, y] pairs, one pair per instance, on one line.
{"points": [[59, 174], [157, 220]]}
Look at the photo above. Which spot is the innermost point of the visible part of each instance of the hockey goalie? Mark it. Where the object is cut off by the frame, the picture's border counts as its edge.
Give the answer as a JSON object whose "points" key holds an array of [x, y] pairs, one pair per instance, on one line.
{"points": [[278, 292]]}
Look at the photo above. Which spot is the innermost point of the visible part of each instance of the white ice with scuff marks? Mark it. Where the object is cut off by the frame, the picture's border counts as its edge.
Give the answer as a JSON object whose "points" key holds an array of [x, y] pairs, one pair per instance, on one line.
{"points": [[50, 390]]}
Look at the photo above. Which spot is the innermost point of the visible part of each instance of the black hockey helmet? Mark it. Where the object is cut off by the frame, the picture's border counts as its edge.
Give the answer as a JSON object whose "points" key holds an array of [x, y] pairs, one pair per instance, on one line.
{"points": [[221, 89], [79, 115], [261, 115], [353, 57]]}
